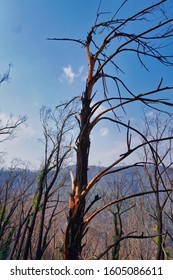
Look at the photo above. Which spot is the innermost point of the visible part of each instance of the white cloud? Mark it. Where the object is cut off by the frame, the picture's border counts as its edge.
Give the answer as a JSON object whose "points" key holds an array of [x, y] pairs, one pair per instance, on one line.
{"points": [[104, 131], [69, 74]]}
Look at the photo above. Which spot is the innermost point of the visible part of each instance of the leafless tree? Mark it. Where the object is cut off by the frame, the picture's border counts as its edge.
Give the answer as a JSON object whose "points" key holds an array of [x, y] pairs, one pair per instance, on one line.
{"points": [[104, 43], [9, 200], [157, 173], [118, 186], [57, 127], [15, 186], [9, 125]]}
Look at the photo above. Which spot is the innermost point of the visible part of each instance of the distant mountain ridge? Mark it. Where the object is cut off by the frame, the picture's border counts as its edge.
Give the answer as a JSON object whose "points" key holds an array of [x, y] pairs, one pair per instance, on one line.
{"points": [[128, 177]]}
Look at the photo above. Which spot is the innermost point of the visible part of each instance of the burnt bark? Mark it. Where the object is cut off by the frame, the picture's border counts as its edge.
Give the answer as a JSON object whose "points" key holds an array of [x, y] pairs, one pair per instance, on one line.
{"points": [[75, 228]]}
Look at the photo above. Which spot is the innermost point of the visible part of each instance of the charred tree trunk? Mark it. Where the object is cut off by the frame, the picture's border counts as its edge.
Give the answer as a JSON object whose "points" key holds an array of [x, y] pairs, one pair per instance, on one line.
{"points": [[75, 228]]}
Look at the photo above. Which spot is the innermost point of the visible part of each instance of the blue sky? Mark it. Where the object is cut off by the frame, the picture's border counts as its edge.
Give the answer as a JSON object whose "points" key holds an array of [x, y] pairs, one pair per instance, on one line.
{"points": [[44, 72]]}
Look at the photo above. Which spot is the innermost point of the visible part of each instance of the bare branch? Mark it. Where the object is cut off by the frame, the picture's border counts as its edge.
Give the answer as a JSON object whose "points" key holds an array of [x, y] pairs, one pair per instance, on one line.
{"points": [[67, 39], [88, 220], [127, 236]]}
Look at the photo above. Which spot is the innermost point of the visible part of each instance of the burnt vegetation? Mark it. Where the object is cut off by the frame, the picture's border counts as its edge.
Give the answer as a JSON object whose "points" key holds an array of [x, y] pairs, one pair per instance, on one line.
{"points": [[77, 211]]}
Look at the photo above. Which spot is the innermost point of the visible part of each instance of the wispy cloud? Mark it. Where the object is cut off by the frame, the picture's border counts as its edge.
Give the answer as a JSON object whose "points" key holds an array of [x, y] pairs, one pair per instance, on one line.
{"points": [[69, 75], [104, 131]]}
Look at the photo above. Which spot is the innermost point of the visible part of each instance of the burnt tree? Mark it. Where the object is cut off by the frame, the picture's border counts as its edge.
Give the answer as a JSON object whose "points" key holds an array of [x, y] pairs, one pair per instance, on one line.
{"points": [[104, 43]]}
